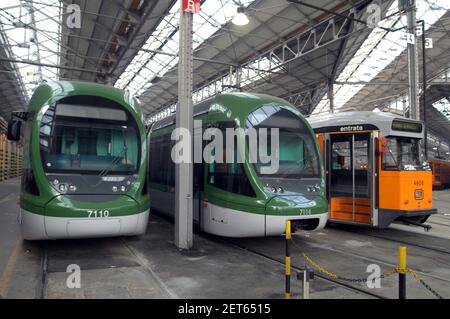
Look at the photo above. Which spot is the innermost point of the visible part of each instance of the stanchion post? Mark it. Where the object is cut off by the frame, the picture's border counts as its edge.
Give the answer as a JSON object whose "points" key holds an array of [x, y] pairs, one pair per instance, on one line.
{"points": [[306, 277], [402, 272], [287, 293]]}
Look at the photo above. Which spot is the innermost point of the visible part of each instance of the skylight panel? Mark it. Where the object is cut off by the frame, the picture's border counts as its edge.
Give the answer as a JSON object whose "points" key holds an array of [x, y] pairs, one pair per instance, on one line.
{"points": [[33, 34], [443, 106], [378, 51], [214, 14]]}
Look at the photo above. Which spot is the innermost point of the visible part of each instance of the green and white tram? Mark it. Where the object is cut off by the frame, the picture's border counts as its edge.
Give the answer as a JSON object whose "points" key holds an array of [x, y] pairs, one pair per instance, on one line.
{"points": [[238, 198], [85, 162]]}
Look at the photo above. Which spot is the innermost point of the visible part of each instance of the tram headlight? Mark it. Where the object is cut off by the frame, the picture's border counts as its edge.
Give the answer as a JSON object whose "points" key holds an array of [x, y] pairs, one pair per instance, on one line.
{"points": [[62, 188], [114, 188], [418, 194], [274, 190], [280, 190], [123, 188], [72, 188]]}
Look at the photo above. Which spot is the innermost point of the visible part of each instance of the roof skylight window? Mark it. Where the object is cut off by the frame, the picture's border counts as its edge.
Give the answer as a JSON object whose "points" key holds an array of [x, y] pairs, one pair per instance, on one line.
{"points": [[378, 51]]}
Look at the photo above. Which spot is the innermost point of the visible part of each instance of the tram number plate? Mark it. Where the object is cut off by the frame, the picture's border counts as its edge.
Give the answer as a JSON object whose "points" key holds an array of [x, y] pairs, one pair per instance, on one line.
{"points": [[304, 211], [93, 213]]}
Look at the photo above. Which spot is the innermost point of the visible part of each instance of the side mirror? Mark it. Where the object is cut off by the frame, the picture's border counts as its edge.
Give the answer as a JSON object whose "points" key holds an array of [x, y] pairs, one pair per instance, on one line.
{"points": [[14, 127]]}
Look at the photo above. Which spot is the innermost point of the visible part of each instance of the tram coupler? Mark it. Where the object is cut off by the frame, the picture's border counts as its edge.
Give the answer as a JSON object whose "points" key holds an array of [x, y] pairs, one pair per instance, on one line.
{"points": [[426, 227]]}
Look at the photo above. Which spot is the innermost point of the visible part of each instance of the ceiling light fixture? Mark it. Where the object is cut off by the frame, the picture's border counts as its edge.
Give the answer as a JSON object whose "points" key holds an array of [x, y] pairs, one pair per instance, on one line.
{"points": [[240, 18]]}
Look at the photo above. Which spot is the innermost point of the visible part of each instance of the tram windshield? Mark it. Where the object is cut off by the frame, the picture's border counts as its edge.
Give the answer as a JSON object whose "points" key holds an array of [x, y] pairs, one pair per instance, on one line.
{"points": [[402, 153], [89, 140], [298, 157]]}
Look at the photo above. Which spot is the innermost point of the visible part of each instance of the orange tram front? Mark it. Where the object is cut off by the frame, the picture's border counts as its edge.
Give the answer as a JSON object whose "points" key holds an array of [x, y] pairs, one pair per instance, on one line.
{"points": [[375, 172]]}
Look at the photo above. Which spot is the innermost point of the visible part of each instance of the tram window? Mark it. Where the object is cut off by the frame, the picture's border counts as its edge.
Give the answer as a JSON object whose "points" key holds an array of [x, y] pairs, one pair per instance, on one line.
{"points": [[361, 155], [162, 169], [298, 157], [347, 180], [342, 156], [230, 177], [70, 144], [401, 153]]}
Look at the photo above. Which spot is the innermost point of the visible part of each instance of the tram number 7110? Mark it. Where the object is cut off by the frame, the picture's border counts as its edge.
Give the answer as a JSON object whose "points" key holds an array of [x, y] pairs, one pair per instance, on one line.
{"points": [[97, 213]]}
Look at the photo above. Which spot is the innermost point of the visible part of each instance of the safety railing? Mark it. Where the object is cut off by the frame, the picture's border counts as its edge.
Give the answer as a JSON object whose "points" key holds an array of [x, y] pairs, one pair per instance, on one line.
{"points": [[307, 274]]}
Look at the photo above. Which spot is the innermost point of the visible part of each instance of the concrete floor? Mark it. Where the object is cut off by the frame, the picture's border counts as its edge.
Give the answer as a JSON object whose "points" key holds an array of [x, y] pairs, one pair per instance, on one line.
{"points": [[151, 267]]}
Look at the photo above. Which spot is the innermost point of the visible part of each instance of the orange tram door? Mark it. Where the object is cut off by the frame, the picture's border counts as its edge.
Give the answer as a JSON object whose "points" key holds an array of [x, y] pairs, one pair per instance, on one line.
{"points": [[366, 184]]}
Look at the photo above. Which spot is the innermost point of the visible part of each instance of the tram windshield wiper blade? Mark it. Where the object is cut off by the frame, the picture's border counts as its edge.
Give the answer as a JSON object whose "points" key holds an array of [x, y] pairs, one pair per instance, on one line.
{"points": [[115, 160]]}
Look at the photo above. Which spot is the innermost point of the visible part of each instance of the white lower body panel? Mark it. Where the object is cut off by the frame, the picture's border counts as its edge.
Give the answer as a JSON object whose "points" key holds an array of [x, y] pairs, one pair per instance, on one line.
{"points": [[233, 223], [35, 226]]}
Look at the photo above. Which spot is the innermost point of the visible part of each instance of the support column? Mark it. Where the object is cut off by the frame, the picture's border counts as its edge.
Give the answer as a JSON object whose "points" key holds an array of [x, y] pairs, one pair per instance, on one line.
{"points": [[424, 90], [184, 120], [413, 69]]}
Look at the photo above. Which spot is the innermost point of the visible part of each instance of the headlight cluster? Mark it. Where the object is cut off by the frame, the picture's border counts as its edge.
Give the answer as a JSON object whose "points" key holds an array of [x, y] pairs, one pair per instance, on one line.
{"points": [[313, 189], [122, 188], [64, 187], [277, 190]]}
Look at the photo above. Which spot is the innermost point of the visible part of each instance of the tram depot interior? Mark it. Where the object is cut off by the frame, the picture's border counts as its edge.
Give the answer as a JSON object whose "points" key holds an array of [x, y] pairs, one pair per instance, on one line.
{"points": [[351, 98]]}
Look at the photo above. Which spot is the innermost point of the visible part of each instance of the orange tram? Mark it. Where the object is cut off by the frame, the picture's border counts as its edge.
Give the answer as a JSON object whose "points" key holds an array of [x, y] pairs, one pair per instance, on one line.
{"points": [[374, 169], [441, 173]]}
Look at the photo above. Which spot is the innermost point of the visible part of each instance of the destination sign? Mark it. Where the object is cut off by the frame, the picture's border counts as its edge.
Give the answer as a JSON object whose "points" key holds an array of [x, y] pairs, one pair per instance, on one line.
{"points": [[406, 126]]}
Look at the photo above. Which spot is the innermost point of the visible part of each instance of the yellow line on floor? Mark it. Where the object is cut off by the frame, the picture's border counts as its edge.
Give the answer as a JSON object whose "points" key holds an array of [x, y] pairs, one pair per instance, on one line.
{"points": [[6, 276]]}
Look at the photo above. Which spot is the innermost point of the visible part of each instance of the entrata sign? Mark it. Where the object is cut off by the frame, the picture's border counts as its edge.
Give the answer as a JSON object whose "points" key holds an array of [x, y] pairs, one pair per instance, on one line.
{"points": [[192, 6]]}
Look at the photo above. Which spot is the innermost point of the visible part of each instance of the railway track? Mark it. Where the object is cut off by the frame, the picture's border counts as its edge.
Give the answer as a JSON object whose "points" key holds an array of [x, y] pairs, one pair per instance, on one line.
{"points": [[280, 262], [47, 257], [407, 242], [346, 255], [42, 283]]}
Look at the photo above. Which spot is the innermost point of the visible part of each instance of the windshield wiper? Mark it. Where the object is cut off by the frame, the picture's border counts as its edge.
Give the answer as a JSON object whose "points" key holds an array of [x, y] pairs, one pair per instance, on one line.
{"points": [[393, 158], [115, 160]]}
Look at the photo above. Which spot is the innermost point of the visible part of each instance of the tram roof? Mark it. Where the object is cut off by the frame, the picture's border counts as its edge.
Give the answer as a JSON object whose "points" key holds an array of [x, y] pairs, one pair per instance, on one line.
{"points": [[230, 101], [59, 89]]}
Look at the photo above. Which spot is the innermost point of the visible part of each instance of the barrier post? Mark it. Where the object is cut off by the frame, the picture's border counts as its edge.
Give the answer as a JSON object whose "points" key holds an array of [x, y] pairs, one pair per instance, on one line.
{"points": [[306, 276], [402, 272], [287, 293]]}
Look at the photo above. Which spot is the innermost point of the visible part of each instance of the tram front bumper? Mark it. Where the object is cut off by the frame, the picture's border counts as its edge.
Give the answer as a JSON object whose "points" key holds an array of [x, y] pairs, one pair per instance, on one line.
{"points": [[276, 225], [37, 227], [387, 216]]}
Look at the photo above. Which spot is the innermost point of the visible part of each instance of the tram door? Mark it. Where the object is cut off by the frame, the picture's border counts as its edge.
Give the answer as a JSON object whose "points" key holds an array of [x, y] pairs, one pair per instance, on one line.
{"points": [[350, 163]]}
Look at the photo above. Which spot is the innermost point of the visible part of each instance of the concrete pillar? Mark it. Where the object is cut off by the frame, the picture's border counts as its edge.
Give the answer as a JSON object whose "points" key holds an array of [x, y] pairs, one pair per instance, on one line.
{"points": [[413, 68], [184, 119]]}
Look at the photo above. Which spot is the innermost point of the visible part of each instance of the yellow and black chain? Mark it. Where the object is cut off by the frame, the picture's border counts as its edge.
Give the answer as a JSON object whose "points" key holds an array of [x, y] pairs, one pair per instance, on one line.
{"points": [[386, 274], [423, 283], [334, 276]]}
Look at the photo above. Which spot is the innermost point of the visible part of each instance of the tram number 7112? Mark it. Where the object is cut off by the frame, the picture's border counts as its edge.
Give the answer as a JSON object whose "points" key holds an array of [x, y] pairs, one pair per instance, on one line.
{"points": [[97, 213]]}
